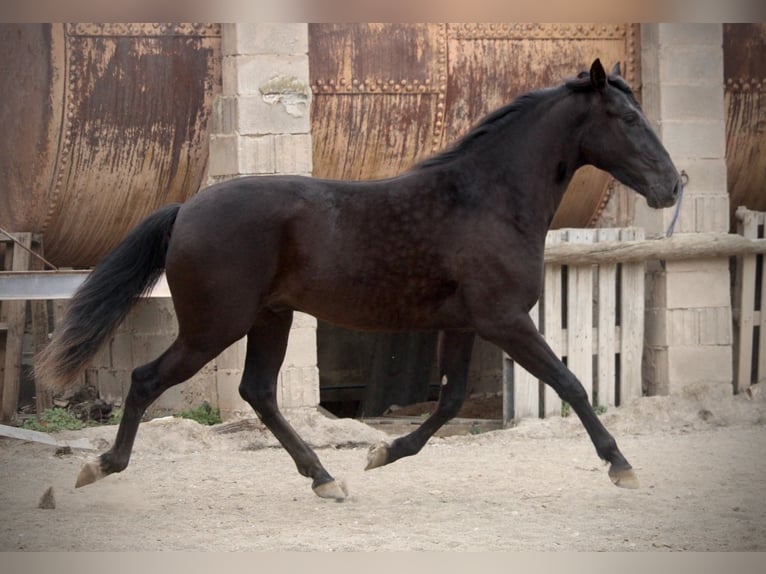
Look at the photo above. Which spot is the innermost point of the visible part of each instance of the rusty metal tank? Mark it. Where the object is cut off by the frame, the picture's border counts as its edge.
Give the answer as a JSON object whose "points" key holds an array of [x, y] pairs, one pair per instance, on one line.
{"points": [[388, 95], [744, 71], [103, 123]]}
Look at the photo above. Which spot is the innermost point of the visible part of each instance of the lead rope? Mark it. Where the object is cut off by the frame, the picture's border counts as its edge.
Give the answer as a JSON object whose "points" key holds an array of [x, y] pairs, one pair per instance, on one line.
{"points": [[684, 181]]}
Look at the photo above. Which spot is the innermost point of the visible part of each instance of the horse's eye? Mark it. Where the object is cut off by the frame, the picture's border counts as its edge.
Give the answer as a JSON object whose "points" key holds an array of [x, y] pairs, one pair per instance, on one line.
{"points": [[630, 118]]}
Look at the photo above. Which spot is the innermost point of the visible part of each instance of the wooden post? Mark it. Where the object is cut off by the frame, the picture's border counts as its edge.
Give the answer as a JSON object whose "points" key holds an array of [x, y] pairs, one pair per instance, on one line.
{"points": [[14, 313], [552, 301], [607, 321], [39, 317], [631, 323], [580, 315]]}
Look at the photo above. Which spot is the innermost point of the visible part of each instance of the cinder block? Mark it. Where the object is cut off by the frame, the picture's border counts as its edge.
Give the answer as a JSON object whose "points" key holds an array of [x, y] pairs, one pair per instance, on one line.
{"points": [[694, 34], [121, 352], [233, 357], [113, 384], [694, 138], [692, 102], [229, 401], [715, 326], [682, 326], [255, 116], [292, 154], [691, 64], [697, 284], [223, 115], [146, 348], [706, 175], [712, 212], [156, 315], [224, 157], [257, 155], [298, 387], [650, 34], [171, 401], [699, 364], [301, 348], [247, 75], [103, 357], [301, 320], [264, 38]]}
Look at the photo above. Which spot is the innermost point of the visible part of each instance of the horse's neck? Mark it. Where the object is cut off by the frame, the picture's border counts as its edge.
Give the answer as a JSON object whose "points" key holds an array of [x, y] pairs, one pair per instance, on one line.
{"points": [[533, 165]]}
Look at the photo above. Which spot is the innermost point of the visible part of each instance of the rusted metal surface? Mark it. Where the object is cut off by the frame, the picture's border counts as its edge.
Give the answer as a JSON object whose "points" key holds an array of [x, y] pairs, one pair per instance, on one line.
{"points": [[388, 95], [104, 123], [744, 71]]}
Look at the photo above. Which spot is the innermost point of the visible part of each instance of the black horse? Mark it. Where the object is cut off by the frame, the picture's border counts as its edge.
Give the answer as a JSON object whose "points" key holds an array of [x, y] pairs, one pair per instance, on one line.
{"points": [[454, 245]]}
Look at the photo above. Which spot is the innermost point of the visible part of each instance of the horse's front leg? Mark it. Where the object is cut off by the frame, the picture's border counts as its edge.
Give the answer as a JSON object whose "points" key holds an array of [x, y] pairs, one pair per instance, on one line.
{"points": [[454, 355], [524, 344]]}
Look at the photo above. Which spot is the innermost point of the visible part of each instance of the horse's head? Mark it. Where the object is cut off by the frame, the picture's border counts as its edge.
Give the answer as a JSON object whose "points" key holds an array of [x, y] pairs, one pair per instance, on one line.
{"points": [[618, 138]]}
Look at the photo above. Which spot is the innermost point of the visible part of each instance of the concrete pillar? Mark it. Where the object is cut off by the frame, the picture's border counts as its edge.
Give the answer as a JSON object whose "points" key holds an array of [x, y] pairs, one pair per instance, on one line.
{"points": [[262, 126], [688, 310]]}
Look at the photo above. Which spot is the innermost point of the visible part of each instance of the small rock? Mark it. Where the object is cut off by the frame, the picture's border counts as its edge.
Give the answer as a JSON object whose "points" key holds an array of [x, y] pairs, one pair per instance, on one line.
{"points": [[48, 501], [63, 451]]}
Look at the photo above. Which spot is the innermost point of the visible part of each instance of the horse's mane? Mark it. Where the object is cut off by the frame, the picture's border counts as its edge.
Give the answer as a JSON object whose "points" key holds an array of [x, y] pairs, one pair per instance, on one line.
{"points": [[501, 117]]}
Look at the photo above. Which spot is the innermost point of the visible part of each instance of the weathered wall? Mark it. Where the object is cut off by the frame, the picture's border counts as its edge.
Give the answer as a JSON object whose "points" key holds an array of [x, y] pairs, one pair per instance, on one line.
{"points": [[688, 313]]}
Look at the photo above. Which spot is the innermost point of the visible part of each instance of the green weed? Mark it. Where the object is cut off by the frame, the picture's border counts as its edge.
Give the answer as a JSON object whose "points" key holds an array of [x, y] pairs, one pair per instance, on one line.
{"points": [[54, 420], [203, 414]]}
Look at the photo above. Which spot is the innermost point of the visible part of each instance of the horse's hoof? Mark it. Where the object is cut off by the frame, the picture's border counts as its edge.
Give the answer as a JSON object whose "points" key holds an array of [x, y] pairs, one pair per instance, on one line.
{"points": [[335, 490], [624, 478], [89, 473], [377, 456]]}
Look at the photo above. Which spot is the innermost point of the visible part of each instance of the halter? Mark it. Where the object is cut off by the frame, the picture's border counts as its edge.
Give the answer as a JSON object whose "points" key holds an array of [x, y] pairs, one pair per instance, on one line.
{"points": [[684, 181]]}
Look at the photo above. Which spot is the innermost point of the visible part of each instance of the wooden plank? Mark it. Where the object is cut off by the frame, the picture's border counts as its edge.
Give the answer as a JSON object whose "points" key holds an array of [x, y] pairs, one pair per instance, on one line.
{"points": [[607, 323], [744, 302], [44, 438], [580, 314], [15, 315], [526, 388], [761, 373], [551, 323], [631, 323], [39, 321], [679, 247]]}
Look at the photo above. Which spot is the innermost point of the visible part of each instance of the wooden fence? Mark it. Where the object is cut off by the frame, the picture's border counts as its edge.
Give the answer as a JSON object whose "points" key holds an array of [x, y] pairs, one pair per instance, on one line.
{"points": [[749, 306], [592, 316]]}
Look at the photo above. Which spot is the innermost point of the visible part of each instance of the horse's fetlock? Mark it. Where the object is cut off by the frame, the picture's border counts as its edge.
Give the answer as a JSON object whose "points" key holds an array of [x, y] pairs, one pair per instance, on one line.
{"points": [[110, 463]]}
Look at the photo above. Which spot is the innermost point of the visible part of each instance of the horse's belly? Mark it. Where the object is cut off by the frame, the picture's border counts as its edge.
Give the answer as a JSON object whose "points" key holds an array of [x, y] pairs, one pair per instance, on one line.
{"points": [[387, 307]]}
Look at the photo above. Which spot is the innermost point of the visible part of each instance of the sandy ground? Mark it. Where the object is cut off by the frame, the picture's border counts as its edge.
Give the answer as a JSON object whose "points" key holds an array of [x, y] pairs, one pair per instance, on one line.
{"points": [[537, 486]]}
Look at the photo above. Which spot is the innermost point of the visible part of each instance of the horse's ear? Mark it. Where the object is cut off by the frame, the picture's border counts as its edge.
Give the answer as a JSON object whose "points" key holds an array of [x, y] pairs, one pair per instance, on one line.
{"points": [[598, 75], [616, 71]]}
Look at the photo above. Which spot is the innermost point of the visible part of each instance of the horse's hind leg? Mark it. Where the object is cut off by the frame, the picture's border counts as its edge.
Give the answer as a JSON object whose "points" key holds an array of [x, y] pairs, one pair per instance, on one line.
{"points": [[266, 346], [148, 382], [454, 355], [523, 342]]}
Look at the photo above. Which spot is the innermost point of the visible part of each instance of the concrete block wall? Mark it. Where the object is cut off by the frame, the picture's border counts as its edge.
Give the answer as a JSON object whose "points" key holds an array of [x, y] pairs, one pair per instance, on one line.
{"points": [[688, 307], [143, 336], [261, 126]]}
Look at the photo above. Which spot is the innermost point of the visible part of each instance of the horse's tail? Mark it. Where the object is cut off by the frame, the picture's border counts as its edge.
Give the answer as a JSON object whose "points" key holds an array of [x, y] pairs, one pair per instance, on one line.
{"points": [[104, 299]]}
